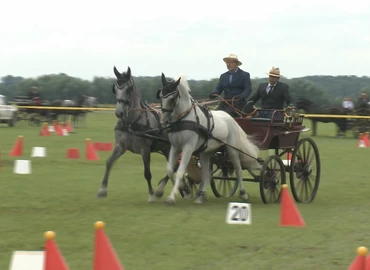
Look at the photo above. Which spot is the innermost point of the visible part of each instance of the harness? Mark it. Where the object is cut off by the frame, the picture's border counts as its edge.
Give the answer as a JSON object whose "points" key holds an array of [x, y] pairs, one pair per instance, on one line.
{"points": [[181, 125], [176, 126], [135, 128]]}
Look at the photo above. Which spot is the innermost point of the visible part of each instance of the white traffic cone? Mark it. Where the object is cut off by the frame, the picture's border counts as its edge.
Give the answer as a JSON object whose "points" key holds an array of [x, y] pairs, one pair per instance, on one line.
{"points": [[38, 152], [22, 166]]}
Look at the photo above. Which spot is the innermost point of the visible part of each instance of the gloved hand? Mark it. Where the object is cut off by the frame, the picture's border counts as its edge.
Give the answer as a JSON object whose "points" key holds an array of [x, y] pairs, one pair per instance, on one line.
{"points": [[249, 107], [240, 97], [212, 96]]}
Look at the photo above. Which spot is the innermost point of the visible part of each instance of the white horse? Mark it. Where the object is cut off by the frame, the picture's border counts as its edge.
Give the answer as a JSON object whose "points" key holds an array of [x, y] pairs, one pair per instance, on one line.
{"points": [[192, 129]]}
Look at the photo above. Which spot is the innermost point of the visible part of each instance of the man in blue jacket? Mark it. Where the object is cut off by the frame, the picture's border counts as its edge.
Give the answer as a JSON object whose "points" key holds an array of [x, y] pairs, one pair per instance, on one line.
{"points": [[235, 83]]}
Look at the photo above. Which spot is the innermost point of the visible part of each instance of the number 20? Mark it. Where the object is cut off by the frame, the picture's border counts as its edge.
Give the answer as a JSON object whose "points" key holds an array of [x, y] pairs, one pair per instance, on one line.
{"points": [[240, 213]]}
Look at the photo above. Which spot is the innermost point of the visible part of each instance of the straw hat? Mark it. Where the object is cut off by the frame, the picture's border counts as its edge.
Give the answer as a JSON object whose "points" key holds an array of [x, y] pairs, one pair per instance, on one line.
{"points": [[232, 57], [34, 88], [274, 72]]}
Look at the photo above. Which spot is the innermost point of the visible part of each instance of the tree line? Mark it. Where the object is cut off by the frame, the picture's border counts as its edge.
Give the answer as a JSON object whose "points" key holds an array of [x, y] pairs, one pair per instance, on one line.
{"points": [[322, 90]]}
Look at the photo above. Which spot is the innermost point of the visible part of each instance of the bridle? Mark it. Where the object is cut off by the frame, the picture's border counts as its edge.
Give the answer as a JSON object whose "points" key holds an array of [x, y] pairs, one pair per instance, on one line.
{"points": [[124, 87]]}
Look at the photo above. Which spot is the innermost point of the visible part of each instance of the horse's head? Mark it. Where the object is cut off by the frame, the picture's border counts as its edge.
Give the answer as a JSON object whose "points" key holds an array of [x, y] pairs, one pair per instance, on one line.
{"points": [[169, 95], [80, 101], [122, 90], [303, 104], [91, 102]]}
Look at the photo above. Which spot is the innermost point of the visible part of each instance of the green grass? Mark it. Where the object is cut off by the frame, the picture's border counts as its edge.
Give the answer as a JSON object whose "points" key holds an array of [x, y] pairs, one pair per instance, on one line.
{"points": [[60, 195]]}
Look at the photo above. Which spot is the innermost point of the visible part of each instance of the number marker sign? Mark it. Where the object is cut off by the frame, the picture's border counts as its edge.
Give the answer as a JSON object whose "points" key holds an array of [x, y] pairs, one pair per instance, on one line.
{"points": [[239, 213]]}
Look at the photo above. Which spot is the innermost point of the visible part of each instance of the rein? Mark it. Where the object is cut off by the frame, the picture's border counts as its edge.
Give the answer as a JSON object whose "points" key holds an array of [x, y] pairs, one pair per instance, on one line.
{"points": [[130, 125]]}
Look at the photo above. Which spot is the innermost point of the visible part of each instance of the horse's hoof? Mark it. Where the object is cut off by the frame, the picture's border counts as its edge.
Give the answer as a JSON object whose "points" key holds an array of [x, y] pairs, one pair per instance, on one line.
{"points": [[158, 193], [102, 193], [187, 196], [244, 196], [200, 199], [169, 201], [151, 199]]}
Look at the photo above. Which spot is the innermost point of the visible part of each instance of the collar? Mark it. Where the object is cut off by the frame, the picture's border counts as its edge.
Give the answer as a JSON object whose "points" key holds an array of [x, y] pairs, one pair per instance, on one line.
{"points": [[234, 71]]}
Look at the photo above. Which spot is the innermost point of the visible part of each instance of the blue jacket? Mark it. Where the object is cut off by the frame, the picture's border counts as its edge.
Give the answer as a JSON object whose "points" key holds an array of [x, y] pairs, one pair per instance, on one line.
{"points": [[240, 85]]}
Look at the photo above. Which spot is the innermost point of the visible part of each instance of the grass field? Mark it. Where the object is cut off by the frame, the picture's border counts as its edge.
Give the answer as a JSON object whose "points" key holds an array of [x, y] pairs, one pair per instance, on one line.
{"points": [[60, 195]]}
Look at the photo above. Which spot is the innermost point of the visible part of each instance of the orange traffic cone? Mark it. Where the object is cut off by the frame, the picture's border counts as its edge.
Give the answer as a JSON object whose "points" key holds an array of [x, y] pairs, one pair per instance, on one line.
{"points": [[105, 256], [73, 153], [53, 258], [59, 130], [98, 146], [45, 130], [90, 151], [289, 215], [366, 139], [288, 159], [17, 148], [69, 127], [360, 262], [108, 146], [361, 141], [55, 124], [367, 263]]}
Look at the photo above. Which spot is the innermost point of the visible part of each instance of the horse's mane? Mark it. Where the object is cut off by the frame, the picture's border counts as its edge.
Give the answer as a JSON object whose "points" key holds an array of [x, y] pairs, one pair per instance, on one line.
{"points": [[183, 87]]}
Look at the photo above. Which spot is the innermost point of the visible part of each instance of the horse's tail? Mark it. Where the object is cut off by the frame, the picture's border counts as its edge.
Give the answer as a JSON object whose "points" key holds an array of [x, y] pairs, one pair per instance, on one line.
{"points": [[247, 144]]}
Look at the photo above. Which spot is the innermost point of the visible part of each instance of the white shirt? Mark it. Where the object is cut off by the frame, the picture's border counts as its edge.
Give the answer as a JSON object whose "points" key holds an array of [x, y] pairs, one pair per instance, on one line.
{"points": [[269, 86], [347, 104]]}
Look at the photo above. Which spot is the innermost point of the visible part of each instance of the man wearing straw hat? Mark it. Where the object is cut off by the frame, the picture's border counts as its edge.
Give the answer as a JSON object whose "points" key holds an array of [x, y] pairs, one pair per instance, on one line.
{"points": [[34, 95], [273, 93], [235, 83]]}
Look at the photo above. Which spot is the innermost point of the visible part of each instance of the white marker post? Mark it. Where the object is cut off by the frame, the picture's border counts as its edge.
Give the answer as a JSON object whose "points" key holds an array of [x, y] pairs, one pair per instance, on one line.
{"points": [[27, 260], [239, 213]]}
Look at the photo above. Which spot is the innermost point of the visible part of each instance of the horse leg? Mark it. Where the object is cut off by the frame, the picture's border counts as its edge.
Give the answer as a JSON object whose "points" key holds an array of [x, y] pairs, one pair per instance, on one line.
{"points": [[118, 150], [148, 174], [163, 182], [174, 153], [235, 160], [206, 168]]}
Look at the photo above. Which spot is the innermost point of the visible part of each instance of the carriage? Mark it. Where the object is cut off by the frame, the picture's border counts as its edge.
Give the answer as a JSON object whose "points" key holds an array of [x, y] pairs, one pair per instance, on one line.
{"points": [[280, 133], [33, 116], [141, 129]]}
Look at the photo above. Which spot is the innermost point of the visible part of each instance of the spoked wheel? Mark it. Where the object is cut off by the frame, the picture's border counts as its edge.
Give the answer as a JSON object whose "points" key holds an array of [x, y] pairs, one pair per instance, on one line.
{"points": [[272, 176], [305, 169], [223, 182], [34, 119]]}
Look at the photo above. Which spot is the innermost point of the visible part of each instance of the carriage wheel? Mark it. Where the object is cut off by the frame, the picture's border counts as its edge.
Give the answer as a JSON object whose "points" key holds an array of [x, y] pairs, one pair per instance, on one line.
{"points": [[272, 176], [34, 119], [305, 170], [227, 185], [21, 116]]}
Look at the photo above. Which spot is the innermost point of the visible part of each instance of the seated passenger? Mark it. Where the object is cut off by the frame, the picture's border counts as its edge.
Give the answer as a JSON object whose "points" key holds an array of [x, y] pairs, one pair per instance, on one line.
{"points": [[273, 94]]}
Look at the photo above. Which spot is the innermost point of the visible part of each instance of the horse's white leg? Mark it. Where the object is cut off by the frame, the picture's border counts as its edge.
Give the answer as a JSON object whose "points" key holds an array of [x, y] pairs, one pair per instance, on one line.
{"points": [[235, 160], [170, 169], [185, 158], [206, 167]]}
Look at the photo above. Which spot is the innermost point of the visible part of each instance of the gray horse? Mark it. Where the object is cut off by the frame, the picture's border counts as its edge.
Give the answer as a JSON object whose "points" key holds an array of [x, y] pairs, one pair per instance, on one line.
{"points": [[77, 116], [193, 129], [137, 130]]}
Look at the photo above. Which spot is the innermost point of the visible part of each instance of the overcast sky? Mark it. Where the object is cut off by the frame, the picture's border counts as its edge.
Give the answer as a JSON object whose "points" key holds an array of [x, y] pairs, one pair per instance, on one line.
{"points": [[87, 38]]}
